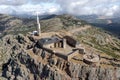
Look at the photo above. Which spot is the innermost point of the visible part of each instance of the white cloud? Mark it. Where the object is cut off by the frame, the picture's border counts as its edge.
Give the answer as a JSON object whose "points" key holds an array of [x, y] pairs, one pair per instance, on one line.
{"points": [[81, 7], [53, 10], [41, 8], [13, 2], [6, 9], [76, 7]]}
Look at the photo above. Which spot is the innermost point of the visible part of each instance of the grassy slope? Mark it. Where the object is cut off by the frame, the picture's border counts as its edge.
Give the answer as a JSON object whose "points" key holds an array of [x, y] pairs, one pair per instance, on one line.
{"points": [[101, 40]]}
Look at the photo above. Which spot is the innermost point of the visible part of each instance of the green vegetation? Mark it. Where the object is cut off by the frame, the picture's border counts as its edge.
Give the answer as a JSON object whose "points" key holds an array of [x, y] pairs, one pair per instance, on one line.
{"points": [[22, 30], [71, 22], [100, 40]]}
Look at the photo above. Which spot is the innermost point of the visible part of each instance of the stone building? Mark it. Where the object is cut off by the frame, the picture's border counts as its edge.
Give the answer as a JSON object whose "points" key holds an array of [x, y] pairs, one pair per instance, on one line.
{"points": [[65, 47], [53, 42]]}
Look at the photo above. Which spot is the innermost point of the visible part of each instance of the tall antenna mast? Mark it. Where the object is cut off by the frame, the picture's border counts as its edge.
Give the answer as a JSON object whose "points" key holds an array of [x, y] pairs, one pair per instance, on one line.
{"points": [[38, 22]]}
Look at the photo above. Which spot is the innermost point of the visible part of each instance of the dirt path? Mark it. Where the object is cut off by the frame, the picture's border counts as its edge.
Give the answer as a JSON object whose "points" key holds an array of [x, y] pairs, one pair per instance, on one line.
{"points": [[80, 29]]}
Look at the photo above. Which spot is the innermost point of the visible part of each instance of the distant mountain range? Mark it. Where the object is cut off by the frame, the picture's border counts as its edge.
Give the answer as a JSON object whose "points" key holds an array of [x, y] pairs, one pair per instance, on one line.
{"points": [[99, 19], [89, 18], [111, 24]]}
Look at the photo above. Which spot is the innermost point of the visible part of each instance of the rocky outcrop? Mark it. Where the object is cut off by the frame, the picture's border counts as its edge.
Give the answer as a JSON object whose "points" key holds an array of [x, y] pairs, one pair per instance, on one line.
{"points": [[93, 73], [34, 63], [13, 69]]}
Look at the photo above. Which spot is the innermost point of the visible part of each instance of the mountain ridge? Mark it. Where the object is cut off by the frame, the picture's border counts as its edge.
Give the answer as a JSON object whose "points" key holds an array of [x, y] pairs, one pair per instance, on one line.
{"points": [[20, 59], [61, 22]]}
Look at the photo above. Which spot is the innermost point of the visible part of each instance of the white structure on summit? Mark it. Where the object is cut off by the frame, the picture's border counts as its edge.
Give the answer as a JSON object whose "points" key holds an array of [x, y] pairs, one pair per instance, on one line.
{"points": [[39, 27]]}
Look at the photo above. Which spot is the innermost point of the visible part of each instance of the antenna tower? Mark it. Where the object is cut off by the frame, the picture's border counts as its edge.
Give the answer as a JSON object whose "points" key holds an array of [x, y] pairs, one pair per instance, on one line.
{"points": [[39, 27]]}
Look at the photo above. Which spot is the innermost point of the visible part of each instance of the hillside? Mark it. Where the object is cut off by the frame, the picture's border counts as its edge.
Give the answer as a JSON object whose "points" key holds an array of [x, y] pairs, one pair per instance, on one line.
{"points": [[99, 37], [111, 25], [13, 25], [22, 59], [113, 28], [100, 40]]}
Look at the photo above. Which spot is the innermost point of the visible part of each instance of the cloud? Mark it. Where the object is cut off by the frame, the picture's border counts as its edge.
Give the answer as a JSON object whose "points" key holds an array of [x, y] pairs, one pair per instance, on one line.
{"points": [[6, 9], [81, 7], [13, 2], [42, 8], [75, 7]]}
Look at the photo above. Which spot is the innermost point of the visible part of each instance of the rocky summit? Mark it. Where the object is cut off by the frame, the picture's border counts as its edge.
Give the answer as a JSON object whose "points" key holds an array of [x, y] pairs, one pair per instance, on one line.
{"points": [[22, 58]]}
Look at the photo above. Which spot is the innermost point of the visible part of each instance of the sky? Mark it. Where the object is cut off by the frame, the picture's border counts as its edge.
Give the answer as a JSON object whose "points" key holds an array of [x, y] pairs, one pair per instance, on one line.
{"points": [[73, 7]]}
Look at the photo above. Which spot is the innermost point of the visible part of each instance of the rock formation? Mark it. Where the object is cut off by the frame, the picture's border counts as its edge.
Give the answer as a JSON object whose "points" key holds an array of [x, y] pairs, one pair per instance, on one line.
{"points": [[24, 61]]}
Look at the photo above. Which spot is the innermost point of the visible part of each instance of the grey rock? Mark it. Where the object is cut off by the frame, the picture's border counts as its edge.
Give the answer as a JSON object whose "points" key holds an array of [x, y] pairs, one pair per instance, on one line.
{"points": [[19, 64], [21, 39]]}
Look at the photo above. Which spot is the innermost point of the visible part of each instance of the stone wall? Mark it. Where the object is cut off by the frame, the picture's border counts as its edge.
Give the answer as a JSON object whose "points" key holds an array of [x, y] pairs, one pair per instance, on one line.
{"points": [[71, 55], [72, 42]]}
